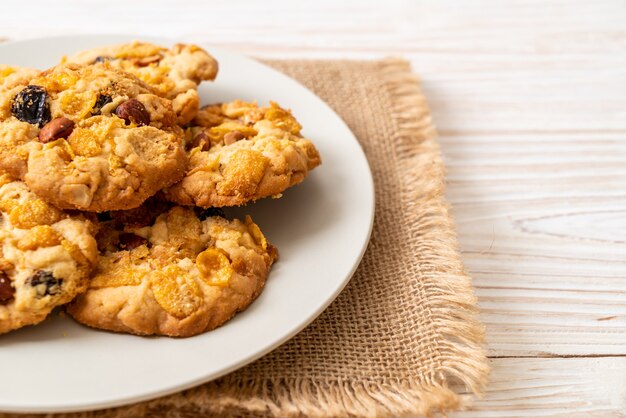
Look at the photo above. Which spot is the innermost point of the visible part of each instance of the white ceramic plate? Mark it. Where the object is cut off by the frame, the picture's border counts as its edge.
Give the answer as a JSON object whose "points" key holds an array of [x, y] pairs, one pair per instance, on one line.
{"points": [[320, 227]]}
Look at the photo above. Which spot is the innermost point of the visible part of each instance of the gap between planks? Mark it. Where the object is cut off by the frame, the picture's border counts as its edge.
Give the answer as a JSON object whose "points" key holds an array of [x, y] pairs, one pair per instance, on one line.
{"points": [[558, 356]]}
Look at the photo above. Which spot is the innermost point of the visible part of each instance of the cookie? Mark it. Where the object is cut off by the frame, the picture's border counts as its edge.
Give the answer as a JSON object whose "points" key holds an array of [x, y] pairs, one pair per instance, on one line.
{"points": [[12, 81], [239, 152], [46, 256], [180, 275], [174, 73], [91, 137]]}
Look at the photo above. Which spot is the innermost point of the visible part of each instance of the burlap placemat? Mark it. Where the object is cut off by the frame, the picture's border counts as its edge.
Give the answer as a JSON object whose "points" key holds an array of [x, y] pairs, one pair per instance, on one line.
{"points": [[405, 327]]}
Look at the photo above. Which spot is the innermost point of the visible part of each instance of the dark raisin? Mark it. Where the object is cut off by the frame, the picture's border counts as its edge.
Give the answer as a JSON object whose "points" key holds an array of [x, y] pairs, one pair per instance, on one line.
{"points": [[6, 290], [201, 140], [30, 105], [232, 137], [45, 283], [133, 111], [102, 101], [102, 58], [206, 213], [130, 241], [144, 62]]}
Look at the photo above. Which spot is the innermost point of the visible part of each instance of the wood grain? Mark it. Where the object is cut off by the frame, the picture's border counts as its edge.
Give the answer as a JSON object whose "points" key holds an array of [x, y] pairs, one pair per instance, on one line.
{"points": [[530, 101], [541, 221], [566, 388]]}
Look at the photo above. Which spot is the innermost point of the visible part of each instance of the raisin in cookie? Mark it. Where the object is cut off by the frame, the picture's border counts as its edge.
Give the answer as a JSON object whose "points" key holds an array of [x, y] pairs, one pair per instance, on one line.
{"points": [[12, 80], [181, 275], [174, 73], [46, 256], [239, 152], [12, 156], [91, 137]]}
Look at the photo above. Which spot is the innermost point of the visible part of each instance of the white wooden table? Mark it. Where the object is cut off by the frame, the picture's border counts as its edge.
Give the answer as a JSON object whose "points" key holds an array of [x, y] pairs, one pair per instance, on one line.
{"points": [[530, 101]]}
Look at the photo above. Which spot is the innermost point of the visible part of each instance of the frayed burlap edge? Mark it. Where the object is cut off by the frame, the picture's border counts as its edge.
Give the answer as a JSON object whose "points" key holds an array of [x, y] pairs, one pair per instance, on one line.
{"points": [[452, 304], [452, 300]]}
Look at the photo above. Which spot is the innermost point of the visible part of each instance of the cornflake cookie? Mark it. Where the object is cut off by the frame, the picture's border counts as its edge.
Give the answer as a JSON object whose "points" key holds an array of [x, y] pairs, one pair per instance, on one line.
{"points": [[239, 152], [180, 275], [90, 137], [174, 73], [46, 256]]}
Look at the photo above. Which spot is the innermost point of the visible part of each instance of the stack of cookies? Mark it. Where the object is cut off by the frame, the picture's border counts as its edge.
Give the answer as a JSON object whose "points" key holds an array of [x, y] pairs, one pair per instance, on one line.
{"points": [[112, 184]]}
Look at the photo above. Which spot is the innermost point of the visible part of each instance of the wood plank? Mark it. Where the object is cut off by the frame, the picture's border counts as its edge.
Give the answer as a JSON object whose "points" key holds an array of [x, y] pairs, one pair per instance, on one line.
{"points": [[566, 387], [541, 225]]}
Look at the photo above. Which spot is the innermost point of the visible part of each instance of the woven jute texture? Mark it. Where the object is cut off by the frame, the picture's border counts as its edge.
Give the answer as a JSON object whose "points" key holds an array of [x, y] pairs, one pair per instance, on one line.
{"points": [[405, 328]]}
